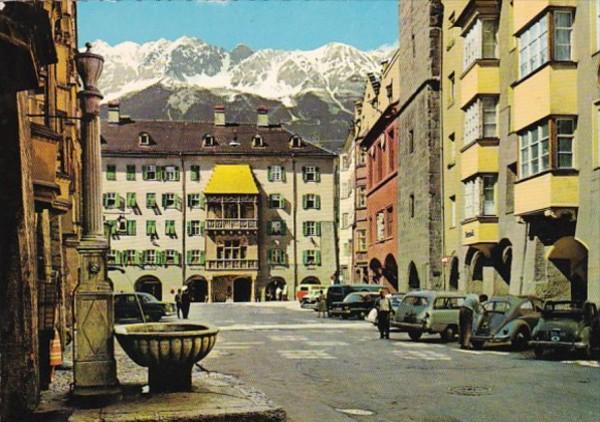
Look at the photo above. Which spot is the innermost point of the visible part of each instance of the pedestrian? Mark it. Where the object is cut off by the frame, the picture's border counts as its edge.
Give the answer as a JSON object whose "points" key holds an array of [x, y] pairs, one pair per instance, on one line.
{"points": [[278, 292], [185, 303], [384, 309], [467, 311], [284, 294], [321, 305], [178, 303]]}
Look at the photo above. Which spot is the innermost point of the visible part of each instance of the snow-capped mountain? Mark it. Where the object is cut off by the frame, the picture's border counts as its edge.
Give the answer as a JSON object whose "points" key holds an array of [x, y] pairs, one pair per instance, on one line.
{"points": [[182, 79]]}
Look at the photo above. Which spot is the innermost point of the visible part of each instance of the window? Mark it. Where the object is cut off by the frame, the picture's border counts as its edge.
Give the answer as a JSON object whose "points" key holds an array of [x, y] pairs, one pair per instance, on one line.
{"points": [[172, 257], [471, 198], [149, 172], [348, 248], [130, 257], [276, 174], [170, 228], [170, 200], [131, 200], [452, 88], [411, 205], [111, 200], [194, 173], [389, 92], [277, 227], [511, 177], [276, 256], [194, 228], [150, 257], [411, 141], [480, 196], [231, 250], [127, 227], [295, 141], [361, 240], [480, 119], [144, 138], [564, 143], [276, 200], [391, 152], [451, 139], [361, 197], [130, 172], [196, 257], [380, 226], [480, 42], [111, 172], [151, 228], [362, 157], [311, 201], [389, 222], [311, 228], [257, 141], [150, 200], [534, 150], [563, 25], [195, 200], [171, 173], [311, 257], [208, 140], [453, 211], [489, 195], [311, 174]]}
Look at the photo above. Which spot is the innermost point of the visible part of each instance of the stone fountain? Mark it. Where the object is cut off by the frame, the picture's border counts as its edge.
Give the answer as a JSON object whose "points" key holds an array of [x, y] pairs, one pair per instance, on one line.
{"points": [[168, 350]]}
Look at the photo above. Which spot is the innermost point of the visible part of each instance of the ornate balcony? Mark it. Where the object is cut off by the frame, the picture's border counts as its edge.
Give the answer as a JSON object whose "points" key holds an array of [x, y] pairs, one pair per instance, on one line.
{"points": [[232, 264], [232, 224]]}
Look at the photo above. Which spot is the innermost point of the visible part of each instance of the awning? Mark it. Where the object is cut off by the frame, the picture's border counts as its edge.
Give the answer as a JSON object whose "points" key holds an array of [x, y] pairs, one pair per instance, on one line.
{"points": [[231, 179]]}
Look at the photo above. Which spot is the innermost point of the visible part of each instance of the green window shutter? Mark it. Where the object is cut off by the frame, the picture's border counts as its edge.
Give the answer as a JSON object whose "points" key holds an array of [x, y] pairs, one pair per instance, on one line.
{"points": [[111, 172], [163, 257], [304, 174], [189, 228], [202, 200], [202, 228], [318, 228], [150, 200], [270, 255], [145, 172], [164, 200], [189, 200], [284, 258], [318, 257], [118, 258], [178, 203], [318, 202], [195, 173], [107, 229], [304, 228], [281, 202], [304, 201], [131, 226], [188, 257], [202, 258], [130, 171], [177, 174], [113, 227], [282, 174], [105, 200], [317, 174], [150, 227], [138, 257], [159, 173], [269, 174], [283, 227], [131, 201], [304, 257], [177, 258]]}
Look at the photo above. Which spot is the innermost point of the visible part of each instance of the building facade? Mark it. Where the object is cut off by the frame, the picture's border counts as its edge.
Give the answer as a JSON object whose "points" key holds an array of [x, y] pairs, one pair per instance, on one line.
{"points": [[231, 210], [379, 139], [419, 208], [520, 147], [346, 212]]}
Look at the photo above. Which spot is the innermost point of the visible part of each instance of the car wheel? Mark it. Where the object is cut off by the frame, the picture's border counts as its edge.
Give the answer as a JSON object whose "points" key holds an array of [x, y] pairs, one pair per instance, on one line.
{"points": [[449, 333], [477, 345], [539, 352], [415, 335], [520, 340]]}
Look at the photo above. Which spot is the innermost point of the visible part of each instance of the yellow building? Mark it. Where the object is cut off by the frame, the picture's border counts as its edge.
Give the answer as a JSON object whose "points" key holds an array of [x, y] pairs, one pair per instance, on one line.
{"points": [[519, 146]]}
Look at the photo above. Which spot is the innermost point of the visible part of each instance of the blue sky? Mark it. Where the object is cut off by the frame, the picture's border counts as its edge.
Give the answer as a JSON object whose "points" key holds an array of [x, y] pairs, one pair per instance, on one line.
{"points": [[282, 24]]}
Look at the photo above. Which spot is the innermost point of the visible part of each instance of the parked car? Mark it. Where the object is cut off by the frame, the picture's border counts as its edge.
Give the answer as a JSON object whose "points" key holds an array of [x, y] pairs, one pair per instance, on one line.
{"points": [[356, 304], [338, 292], [567, 325], [305, 289], [429, 312], [310, 300], [506, 319], [127, 307]]}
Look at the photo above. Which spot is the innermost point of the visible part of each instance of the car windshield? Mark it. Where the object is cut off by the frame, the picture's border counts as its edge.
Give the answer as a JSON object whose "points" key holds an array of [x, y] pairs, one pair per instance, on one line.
{"points": [[415, 300], [496, 306], [147, 298], [354, 297], [396, 300]]}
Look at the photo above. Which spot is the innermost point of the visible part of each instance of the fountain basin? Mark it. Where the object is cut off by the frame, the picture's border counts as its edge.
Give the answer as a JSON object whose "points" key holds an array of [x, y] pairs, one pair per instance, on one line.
{"points": [[168, 350]]}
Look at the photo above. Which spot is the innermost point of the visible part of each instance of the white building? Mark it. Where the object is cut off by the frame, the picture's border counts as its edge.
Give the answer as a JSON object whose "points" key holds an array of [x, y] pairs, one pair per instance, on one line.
{"points": [[346, 209]]}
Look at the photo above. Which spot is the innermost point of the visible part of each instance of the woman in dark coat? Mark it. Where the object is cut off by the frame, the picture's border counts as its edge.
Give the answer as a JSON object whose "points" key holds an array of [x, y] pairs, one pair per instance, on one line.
{"points": [[185, 303]]}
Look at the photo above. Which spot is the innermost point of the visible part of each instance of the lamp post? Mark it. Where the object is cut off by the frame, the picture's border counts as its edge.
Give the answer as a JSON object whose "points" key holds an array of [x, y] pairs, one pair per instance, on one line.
{"points": [[94, 367]]}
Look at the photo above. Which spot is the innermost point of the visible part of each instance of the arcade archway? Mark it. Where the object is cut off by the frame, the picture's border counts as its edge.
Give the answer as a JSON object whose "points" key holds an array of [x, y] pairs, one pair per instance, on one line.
{"points": [[413, 277], [242, 290], [149, 284], [276, 289], [454, 274], [570, 256], [198, 288], [390, 271]]}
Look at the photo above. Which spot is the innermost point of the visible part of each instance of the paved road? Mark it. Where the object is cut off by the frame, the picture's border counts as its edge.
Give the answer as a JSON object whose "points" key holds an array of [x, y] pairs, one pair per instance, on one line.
{"points": [[316, 367]]}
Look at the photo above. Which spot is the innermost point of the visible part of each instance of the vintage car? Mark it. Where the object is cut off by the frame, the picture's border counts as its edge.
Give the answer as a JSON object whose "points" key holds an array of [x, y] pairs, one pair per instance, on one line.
{"points": [[338, 292], [506, 319], [567, 325], [429, 312], [310, 300], [356, 304], [127, 306]]}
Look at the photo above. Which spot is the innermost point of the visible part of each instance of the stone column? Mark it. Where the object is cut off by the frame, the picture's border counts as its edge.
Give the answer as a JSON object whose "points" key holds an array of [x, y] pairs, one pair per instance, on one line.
{"points": [[209, 289], [94, 366]]}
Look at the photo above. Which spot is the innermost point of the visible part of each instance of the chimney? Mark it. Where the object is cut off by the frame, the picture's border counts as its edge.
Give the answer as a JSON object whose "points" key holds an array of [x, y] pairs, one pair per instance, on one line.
{"points": [[114, 112], [262, 118], [219, 115]]}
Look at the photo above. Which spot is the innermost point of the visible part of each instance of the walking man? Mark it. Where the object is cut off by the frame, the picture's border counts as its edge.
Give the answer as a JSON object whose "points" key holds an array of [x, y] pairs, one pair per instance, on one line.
{"points": [[178, 303], [465, 318], [384, 308], [321, 305], [185, 303]]}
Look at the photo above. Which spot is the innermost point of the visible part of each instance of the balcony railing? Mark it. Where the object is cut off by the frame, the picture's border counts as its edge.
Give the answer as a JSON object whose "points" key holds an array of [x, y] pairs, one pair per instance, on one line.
{"points": [[233, 264], [232, 224]]}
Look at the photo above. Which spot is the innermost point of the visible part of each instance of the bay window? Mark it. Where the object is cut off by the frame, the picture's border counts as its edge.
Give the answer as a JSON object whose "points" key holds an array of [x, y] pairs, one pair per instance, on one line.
{"points": [[480, 119], [564, 143], [480, 42], [480, 196]]}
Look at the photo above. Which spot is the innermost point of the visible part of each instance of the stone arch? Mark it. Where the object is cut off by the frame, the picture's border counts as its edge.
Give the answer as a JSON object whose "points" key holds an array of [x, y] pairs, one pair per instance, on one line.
{"points": [[413, 277], [149, 284], [503, 259], [454, 273], [390, 271], [271, 289], [198, 288], [376, 270], [570, 256], [310, 280], [242, 289]]}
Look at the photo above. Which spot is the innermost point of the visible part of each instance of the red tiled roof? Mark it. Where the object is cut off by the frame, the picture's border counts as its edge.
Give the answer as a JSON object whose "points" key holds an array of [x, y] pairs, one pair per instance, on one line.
{"points": [[174, 137]]}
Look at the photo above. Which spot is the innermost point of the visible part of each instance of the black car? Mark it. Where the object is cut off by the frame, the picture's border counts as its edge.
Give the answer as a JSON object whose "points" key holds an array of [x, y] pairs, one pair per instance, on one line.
{"points": [[128, 307], [338, 292], [356, 304]]}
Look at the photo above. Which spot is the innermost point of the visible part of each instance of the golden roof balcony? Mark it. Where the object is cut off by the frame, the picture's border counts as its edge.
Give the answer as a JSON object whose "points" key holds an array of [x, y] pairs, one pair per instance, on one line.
{"points": [[220, 224], [551, 194], [232, 264], [480, 231], [481, 78], [552, 89], [479, 157]]}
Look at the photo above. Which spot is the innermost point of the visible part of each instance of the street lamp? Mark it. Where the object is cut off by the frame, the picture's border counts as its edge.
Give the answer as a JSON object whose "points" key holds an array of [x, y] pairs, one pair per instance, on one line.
{"points": [[94, 367]]}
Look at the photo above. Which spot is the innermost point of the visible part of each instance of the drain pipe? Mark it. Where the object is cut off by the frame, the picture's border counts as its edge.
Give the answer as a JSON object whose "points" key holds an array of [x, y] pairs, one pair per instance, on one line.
{"points": [[184, 233], [521, 278], [295, 224]]}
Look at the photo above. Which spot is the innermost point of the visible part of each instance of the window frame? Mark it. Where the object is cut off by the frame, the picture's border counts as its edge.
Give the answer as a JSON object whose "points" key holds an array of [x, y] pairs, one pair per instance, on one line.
{"points": [[131, 172], [111, 172]]}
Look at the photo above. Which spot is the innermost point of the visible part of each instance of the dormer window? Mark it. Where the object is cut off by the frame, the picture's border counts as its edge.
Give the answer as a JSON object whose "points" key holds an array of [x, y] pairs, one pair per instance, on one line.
{"points": [[234, 142], [295, 141], [208, 141], [144, 138], [258, 141]]}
